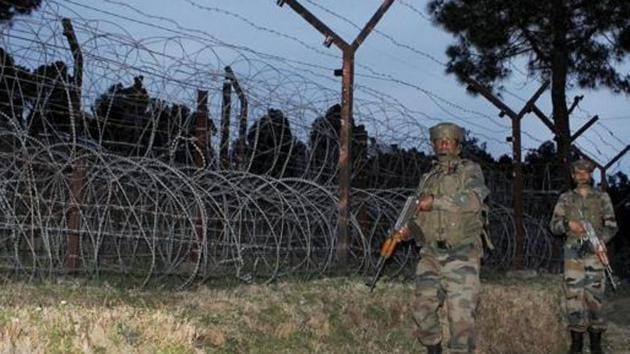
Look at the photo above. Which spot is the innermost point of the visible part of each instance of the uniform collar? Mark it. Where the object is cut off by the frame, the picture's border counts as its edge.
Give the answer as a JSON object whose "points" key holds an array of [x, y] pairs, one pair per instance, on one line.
{"points": [[590, 189], [454, 164], [455, 160]]}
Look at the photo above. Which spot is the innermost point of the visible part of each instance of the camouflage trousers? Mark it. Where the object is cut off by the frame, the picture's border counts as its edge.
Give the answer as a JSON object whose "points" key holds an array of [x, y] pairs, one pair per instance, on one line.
{"points": [[447, 278], [584, 287]]}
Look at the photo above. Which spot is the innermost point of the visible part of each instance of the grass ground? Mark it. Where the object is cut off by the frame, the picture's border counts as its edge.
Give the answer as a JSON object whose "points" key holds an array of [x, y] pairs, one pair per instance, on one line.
{"points": [[336, 315]]}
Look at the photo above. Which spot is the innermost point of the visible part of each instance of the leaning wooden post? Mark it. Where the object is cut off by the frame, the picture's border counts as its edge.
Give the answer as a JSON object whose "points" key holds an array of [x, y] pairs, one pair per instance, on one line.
{"points": [[76, 87], [226, 108], [242, 127], [201, 129], [201, 161]]}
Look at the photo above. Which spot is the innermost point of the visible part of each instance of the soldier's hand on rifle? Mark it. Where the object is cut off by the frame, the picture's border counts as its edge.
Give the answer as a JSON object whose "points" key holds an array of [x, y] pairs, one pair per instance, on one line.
{"points": [[405, 233], [425, 203], [577, 227], [388, 247]]}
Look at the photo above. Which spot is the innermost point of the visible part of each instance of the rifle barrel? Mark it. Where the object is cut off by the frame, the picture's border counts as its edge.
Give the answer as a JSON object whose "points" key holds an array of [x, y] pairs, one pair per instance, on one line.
{"points": [[610, 277], [379, 268]]}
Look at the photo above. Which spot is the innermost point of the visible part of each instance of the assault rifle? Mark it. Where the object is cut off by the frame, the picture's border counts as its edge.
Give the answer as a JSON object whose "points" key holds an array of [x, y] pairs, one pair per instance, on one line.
{"points": [[395, 237], [599, 248]]}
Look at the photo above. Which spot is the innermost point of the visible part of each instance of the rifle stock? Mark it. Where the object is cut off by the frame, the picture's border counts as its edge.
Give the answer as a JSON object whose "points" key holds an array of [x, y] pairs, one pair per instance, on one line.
{"points": [[386, 251]]}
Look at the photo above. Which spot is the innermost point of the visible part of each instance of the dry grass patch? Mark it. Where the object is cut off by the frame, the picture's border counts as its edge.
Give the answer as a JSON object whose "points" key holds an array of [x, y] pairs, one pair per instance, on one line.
{"points": [[329, 316], [77, 329], [521, 319]]}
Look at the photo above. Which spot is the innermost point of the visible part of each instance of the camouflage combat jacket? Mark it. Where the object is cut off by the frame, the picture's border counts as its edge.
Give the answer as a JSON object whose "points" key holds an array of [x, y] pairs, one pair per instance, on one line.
{"points": [[456, 216], [596, 208]]}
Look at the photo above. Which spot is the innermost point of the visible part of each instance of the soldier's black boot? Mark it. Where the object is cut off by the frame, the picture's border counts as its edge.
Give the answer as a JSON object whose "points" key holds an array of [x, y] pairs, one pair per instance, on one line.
{"points": [[596, 341], [577, 342], [434, 349]]}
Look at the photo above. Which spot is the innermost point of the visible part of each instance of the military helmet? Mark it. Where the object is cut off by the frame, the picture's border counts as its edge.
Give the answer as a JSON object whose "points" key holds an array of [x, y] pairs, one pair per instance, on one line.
{"points": [[446, 130], [582, 164]]}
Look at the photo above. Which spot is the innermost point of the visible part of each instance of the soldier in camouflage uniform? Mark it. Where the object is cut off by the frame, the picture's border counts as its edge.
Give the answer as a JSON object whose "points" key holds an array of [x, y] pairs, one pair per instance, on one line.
{"points": [[584, 277], [448, 224]]}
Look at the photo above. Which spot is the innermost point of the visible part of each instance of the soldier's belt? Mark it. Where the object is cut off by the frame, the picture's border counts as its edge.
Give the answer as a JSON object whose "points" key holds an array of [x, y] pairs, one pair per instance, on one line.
{"points": [[440, 245], [444, 245]]}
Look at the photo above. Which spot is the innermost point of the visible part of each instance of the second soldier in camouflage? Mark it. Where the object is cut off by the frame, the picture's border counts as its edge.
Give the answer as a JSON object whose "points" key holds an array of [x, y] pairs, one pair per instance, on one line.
{"points": [[584, 278]]}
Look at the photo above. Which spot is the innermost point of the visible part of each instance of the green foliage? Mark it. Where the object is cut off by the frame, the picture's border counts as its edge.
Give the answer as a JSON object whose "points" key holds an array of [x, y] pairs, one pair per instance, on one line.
{"points": [[543, 167], [12, 8], [323, 144], [14, 78], [619, 190], [473, 149], [272, 148], [568, 42], [586, 37]]}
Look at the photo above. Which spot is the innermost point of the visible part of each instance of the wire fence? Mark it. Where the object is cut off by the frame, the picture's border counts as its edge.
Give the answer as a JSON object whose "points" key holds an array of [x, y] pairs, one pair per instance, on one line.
{"points": [[138, 165], [144, 218]]}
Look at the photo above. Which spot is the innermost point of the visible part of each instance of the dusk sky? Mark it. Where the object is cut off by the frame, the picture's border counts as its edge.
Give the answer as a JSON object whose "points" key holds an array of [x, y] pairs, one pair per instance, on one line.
{"points": [[403, 60]]}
